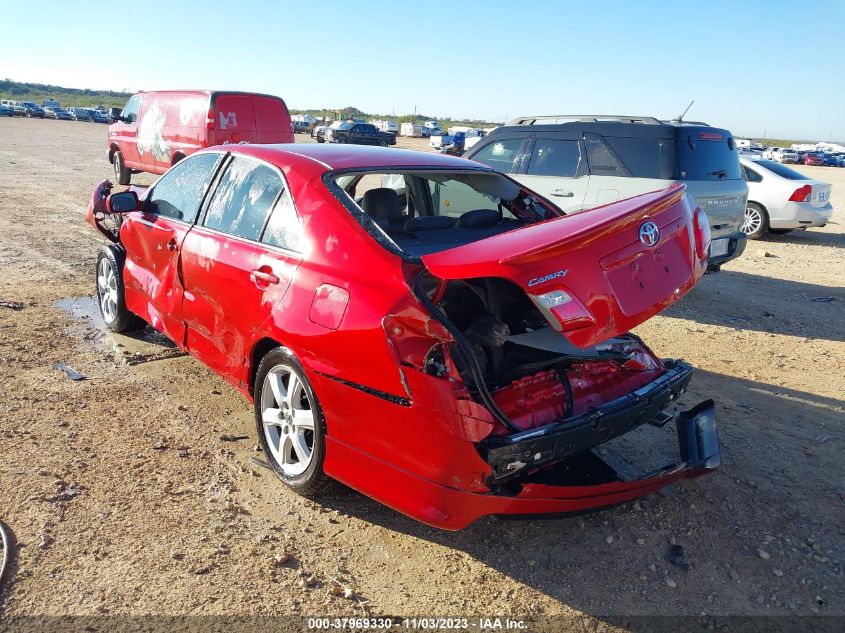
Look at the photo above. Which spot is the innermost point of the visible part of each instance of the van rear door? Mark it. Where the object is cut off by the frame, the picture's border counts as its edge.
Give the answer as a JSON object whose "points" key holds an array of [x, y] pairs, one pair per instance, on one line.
{"points": [[233, 119], [272, 120]]}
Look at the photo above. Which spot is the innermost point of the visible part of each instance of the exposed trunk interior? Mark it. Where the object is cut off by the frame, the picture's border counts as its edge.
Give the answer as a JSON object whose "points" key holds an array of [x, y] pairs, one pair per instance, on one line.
{"points": [[533, 373]]}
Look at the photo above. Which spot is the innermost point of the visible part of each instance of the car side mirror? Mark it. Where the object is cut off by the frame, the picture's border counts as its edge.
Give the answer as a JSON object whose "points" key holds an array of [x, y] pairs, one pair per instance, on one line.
{"points": [[114, 113], [123, 202]]}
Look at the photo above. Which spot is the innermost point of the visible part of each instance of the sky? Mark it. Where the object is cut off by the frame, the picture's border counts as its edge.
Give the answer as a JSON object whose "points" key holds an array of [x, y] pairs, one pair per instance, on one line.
{"points": [[772, 67]]}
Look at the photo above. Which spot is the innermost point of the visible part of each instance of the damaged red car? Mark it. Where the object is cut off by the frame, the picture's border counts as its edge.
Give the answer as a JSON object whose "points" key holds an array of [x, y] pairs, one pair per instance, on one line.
{"points": [[417, 326]]}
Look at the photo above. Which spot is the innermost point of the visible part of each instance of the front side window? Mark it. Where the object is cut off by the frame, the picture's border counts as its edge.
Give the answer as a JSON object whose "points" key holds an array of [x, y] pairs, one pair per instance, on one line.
{"points": [[500, 155], [243, 198], [179, 192], [130, 110], [551, 157]]}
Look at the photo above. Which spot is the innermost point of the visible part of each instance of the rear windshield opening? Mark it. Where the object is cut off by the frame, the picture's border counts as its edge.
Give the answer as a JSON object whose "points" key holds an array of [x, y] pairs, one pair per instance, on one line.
{"points": [[703, 156], [417, 212]]}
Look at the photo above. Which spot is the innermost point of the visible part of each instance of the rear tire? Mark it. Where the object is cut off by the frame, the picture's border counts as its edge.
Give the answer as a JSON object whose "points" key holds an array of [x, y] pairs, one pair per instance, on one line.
{"points": [[756, 221], [341, 141], [110, 293], [382, 143], [122, 173], [290, 423]]}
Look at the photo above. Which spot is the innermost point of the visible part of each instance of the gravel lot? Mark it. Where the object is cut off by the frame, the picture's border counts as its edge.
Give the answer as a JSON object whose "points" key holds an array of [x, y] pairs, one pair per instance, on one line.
{"points": [[125, 496]]}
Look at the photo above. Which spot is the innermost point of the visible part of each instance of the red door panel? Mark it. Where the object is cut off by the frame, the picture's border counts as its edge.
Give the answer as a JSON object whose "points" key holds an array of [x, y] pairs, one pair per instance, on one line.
{"points": [[231, 287], [151, 272], [234, 119]]}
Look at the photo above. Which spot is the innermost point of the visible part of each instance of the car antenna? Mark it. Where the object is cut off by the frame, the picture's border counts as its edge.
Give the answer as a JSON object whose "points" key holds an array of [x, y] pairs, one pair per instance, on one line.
{"points": [[681, 116]]}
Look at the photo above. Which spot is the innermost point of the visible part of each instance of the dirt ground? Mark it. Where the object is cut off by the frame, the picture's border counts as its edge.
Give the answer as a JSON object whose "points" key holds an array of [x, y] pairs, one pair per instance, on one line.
{"points": [[125, 493]]}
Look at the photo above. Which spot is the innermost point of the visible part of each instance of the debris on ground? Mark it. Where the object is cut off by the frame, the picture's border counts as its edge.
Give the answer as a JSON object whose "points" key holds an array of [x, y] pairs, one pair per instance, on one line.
{"points": [[13, 305], [824, 299], [677, 557], [71, 373], [259, 462], [233, 438]]}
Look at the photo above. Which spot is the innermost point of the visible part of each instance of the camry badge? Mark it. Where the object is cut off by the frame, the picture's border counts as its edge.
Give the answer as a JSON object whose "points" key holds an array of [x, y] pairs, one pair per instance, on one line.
{"points": [[649, 233]]}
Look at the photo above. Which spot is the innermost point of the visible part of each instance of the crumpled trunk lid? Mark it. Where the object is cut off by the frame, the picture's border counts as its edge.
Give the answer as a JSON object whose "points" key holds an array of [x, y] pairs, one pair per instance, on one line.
{"points": [[614, 269]]}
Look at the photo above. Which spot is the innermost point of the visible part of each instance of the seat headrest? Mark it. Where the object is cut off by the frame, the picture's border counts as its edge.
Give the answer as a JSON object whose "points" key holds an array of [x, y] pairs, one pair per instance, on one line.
{"points": [[478, 218], [382, 203]]}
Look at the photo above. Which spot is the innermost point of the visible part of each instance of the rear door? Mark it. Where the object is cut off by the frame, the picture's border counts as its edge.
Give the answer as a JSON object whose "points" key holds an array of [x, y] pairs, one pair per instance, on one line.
{"points": [[272, 120], [554, 165], [234, 119], [153, 239], [233, 280]]}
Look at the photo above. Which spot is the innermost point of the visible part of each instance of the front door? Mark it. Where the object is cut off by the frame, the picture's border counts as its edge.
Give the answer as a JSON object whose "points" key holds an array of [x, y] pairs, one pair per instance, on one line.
{"points": [[232, 279], [125, 132], [154, 237]]}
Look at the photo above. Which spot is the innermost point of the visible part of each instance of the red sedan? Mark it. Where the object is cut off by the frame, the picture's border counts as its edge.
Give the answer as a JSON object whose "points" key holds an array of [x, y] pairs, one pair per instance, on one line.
{"points": [[417, 326], [813, 159]]}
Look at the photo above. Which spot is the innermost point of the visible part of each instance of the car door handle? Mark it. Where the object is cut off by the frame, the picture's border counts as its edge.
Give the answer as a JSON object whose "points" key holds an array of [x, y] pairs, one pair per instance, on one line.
{"points": [[171, 244], [263, 275], [562, 193]]}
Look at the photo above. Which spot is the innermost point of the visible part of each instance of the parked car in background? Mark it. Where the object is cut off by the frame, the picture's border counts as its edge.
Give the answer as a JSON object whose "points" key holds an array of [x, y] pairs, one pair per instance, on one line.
{"points": [[16, 108], [155, 130], [33, 110], [259, 261], [359, 134], [781, 199], [580, 162], [57, 113], [431, 128], [830, 159], [301, 127], [813, 158], [781, 155], [50, 103], [6, 111], [319, 133], [79, 114], [97, 116]]}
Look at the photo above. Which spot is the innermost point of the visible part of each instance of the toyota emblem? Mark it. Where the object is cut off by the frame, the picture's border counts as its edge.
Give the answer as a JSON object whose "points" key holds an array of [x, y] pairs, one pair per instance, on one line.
{"points": [[649, 233]]}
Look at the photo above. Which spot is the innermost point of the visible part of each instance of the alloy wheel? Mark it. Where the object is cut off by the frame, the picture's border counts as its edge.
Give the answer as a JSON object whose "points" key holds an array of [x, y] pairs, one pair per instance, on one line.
{"points": [[753, 220], [287, 419], [107, 290]]}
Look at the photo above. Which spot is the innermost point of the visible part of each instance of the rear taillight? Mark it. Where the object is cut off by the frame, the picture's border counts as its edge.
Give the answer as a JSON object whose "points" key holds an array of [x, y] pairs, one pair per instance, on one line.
{"points": [[702, 233], [209, 119], [563, 308], [802, 194]]}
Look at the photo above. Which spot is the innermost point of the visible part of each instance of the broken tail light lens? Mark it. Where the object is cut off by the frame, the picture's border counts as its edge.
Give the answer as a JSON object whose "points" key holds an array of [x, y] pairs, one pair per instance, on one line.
{"points": [[702, 233], [559, 306], [802, 194]]}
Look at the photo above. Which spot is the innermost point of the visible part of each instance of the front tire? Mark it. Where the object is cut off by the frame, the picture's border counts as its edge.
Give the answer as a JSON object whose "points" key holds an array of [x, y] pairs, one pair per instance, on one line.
{"points": [[290, 423], [756, 221], [110, 293], [121, 172]]}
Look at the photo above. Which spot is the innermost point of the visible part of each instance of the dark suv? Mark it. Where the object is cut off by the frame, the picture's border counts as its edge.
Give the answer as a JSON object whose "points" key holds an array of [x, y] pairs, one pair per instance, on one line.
{"points": [[580, 162]]}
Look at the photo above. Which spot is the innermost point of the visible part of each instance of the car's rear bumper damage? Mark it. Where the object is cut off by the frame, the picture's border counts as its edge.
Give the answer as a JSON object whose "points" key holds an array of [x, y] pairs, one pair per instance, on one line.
{"points": [[511, 455]]}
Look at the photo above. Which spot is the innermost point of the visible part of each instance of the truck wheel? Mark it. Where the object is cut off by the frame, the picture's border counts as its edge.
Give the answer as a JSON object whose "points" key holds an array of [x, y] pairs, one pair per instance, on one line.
{"points": [[110, 293], [341, 140], [290, 422], [382, 143], [121, 172], [756, 221]]}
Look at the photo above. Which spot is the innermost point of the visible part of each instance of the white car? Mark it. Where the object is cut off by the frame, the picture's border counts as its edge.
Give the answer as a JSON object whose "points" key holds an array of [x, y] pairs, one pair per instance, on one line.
{"points": [[782, 155], [781, 199]]}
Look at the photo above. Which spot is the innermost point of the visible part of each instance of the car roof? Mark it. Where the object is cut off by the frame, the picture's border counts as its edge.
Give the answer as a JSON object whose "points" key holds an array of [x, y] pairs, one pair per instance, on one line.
{"points": [[341, 157]]}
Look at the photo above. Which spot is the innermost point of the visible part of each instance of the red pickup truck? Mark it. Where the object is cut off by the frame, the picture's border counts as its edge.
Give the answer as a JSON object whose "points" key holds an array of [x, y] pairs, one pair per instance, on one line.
{"points": [[155, 130]]}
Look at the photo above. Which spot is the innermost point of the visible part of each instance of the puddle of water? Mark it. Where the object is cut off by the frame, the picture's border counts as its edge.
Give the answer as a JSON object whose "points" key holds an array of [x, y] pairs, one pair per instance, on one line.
{"points": [[133, 348]]}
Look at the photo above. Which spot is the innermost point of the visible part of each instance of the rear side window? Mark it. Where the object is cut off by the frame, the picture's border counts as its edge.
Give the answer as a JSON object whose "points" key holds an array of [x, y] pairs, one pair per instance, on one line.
{"points": [[454, 198], [179, 192], [243, 198], [707, 155], [646, 157], [552, 157], [284, 229], [750, 175], [603, 161], [500, 155]]}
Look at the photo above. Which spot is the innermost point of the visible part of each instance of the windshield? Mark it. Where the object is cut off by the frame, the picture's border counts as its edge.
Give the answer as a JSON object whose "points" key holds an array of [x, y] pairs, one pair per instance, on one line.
{"points": [[418, 212], [781, 170], [707, 154]]}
